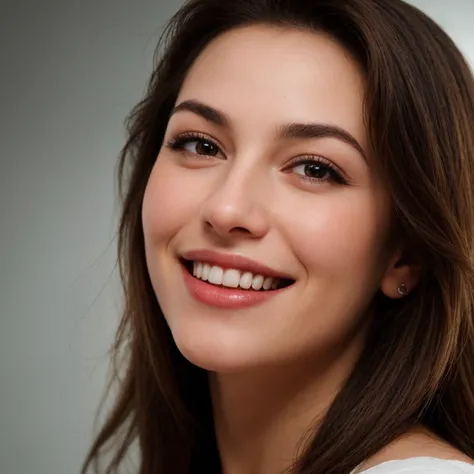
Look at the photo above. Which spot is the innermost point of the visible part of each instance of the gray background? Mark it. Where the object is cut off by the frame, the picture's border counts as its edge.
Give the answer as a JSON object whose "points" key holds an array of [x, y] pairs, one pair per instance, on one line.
{"points": [[70, 72]]}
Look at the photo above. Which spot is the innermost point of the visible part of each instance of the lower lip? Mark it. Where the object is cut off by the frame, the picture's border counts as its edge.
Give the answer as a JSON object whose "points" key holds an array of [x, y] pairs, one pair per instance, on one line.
{"points": [[223, 297]]}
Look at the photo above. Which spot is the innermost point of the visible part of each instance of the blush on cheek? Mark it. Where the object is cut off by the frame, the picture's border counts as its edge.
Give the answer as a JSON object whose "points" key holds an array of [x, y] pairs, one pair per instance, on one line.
{"points": [[338, 237], [168, 201]]}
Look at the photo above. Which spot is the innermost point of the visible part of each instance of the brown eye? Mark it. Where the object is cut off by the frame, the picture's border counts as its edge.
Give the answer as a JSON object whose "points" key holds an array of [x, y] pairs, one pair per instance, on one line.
{"points": [[195, 145], [316, 171], [202, 147]]}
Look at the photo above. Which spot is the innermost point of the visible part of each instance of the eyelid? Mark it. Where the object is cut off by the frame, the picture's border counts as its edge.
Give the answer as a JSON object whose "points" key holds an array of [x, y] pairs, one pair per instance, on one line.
{"points": [[194, 136], [317, 159], [308, 159], [177, 142]]}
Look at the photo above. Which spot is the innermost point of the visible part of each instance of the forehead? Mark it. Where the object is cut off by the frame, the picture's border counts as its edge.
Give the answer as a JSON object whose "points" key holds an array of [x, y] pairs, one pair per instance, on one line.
{"points": [[277, 74]]}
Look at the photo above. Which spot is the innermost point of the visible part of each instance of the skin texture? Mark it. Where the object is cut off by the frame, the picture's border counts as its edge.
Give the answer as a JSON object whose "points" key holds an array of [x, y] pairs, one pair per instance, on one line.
{"points": [[274, 368]]}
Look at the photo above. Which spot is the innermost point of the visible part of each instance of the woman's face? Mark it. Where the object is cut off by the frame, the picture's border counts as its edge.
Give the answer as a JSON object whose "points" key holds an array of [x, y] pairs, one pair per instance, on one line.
{"points": [[266, 157]]}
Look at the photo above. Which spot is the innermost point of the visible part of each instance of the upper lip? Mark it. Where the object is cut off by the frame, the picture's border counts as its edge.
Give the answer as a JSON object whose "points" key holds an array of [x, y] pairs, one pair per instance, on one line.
{"points": [[238, 262]]}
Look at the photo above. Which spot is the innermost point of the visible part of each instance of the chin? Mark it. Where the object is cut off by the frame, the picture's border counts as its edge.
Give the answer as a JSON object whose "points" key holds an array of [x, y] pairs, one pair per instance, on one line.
{"points": [[214, 352]]}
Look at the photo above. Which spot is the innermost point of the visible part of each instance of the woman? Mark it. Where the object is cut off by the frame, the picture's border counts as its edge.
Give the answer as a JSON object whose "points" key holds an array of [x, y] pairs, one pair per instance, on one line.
{"points": [[296, 246]]}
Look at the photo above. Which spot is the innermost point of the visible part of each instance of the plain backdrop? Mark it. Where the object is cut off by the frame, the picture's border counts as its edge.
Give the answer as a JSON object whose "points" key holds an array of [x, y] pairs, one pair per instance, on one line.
{"points": [[70, 72]]}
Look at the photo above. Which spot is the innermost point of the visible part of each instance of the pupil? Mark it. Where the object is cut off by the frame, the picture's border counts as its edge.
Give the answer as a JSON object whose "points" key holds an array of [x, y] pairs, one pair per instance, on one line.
{"points": [[206, 148], [315, 171]]}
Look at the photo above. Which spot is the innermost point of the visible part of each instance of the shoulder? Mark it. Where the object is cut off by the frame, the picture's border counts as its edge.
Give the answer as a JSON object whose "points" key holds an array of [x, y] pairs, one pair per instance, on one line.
{"points": [[418, 451], [421, 465]]}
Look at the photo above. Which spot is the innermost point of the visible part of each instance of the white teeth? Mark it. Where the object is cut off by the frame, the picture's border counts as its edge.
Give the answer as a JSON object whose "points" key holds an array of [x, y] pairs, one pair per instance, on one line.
{"points": [[199, 270], [206, 268], [233, 278], [216, 275], [246, 280], [257, 282]]}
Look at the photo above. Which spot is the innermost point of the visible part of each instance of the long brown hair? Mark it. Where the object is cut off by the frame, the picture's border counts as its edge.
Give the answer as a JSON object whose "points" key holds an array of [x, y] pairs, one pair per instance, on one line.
{"points": [[418, 363]]}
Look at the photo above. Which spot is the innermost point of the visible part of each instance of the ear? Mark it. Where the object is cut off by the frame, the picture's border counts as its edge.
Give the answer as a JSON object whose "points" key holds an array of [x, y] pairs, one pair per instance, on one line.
{"points": [[403, 272]]}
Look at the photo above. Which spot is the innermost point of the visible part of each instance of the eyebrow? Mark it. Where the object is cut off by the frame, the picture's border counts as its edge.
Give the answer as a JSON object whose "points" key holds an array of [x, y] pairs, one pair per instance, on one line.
{"points": [[288, 131], [205, 111]]}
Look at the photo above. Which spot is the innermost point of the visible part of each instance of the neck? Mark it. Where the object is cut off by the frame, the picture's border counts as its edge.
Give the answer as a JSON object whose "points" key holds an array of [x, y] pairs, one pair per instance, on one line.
{"points": [[262, 416]]}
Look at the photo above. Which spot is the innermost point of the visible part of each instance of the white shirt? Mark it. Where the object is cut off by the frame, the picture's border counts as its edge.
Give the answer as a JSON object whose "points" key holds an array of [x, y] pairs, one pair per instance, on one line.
{"points": [[420, 465]]}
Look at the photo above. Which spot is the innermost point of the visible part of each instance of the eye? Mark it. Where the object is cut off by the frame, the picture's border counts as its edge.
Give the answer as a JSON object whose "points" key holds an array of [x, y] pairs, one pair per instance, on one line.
{"points": [[201, 147], [195, 144], [316, 169]]}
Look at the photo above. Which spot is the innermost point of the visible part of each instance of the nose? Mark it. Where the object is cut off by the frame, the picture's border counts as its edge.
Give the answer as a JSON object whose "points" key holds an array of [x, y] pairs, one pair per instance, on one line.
{"points": [[236, 206]]}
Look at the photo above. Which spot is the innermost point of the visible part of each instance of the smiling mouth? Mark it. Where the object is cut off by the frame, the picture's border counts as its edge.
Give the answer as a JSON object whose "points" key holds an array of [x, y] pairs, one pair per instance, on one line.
{"points": [[233, 278]]}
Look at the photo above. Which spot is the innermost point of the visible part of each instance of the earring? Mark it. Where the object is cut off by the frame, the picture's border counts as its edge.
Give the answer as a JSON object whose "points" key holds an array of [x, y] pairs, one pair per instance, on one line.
{"points": [[402, 290]]}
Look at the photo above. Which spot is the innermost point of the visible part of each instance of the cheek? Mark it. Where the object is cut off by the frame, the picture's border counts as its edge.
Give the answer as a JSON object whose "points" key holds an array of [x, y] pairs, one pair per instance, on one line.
{"points": [[337, 239], [341, 234], [169, 202]]}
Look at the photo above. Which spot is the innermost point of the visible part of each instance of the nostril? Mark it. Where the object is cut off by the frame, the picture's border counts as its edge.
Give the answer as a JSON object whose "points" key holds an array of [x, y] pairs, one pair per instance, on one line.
{"points": [[240, 230], [222, 228]]}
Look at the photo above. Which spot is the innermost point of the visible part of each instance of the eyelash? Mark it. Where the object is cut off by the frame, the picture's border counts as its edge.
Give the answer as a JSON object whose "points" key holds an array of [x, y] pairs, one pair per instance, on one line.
{"points": [[179, 142]]}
